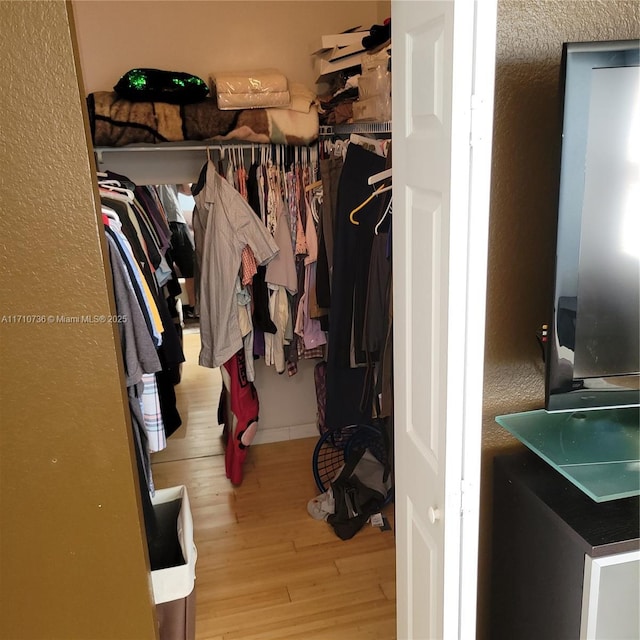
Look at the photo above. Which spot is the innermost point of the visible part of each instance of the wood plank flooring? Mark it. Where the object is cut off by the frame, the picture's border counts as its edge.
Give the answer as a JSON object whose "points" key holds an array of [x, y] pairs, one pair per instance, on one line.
{"points": [[266, 570]]}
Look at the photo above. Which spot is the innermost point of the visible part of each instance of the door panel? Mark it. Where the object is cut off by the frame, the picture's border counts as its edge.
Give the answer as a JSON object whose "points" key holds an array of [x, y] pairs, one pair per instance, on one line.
{"points": [[426, 45], [424, 218], [424, 578], [420, 233], [439, 273]]}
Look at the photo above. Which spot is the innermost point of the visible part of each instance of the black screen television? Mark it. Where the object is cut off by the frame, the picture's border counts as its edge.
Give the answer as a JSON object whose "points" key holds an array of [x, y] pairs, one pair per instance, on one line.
{"points": [[593, 354]]}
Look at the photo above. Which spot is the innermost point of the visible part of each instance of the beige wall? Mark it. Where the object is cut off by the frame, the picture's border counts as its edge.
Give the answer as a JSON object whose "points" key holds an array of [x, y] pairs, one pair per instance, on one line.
{"points": [[204, 36], [523, 207], [384, 11], [73, 559]]}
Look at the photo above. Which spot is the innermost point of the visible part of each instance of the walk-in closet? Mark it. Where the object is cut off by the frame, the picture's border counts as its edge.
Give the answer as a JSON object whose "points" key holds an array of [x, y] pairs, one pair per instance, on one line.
{"points": [[250, 404]]}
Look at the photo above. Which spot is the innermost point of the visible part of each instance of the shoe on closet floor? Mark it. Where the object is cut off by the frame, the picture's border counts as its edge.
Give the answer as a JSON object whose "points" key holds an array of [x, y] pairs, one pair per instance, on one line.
{"points": [[189, 313]]}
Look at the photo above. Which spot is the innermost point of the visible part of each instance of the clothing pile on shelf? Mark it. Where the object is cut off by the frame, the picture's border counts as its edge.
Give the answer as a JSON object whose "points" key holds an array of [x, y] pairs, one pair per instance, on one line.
{"points": [[258, 107], [366, 82], [337, 106]]}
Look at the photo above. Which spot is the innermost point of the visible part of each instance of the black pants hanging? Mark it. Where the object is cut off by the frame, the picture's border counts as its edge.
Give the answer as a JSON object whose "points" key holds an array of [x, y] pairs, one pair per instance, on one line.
{"points": [[349, 391]]}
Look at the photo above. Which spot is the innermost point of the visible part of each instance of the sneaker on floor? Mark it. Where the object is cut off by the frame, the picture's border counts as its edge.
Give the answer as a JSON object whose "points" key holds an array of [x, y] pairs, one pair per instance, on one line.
{"points": [[189, 313]]}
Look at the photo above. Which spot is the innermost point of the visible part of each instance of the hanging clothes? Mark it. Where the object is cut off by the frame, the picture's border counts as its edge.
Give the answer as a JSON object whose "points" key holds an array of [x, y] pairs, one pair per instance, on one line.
{"points": [[330, 171], [308, 327], [139, 352], [349, 389], [281, 271], [274, 342], [181, 240], [138, 232], [240, 409], [152, 414], [223, 224], [139, 285], [261, 318]]}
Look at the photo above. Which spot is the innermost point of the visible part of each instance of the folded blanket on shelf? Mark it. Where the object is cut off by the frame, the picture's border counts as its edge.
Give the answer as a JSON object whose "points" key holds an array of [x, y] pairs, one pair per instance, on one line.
{"points": [[301, 97], [298, 98], [259, 81], [116, 122], [253, 100]]}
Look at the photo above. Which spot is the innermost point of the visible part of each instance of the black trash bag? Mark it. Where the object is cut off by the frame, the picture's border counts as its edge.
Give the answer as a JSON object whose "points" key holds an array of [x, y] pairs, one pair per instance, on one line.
{"points": [[156, 85], [359, 491]]}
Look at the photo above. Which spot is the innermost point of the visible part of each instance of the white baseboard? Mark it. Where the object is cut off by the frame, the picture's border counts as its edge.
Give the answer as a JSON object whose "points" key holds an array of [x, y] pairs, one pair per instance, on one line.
{"points": [[278, 434]]}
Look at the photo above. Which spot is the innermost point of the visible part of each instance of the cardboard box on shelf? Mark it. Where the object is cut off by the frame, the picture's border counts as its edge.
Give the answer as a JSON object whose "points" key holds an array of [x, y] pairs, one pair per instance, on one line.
{"points": [[325, 67], [345, 39], [337, 53]]}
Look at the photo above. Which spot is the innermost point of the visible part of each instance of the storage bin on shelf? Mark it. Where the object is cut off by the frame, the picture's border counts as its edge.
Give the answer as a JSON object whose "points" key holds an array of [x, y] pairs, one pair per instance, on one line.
{"points": [[374, 89]]}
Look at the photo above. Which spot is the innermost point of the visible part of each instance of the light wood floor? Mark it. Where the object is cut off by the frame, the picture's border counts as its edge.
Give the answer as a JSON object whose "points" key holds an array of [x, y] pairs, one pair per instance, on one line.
{"points": [[266, 569]]}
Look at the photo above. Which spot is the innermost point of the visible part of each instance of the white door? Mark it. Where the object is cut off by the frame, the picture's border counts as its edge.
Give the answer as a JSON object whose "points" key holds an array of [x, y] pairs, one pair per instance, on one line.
{"points": [[443, 71]]}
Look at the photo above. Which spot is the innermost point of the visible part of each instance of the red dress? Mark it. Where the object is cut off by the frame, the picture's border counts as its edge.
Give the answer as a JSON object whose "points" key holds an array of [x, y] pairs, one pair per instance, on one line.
{"points": [[241, 414]]}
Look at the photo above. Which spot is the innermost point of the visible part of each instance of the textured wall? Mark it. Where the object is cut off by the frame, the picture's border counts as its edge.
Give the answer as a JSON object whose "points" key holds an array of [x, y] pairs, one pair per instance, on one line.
{"points": [[525, 173], [72, 552], [201, 37]]}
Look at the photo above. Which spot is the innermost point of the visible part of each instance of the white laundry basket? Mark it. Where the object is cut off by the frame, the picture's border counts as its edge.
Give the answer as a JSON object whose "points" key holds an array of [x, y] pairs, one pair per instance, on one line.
{"points": [[174, 586]]}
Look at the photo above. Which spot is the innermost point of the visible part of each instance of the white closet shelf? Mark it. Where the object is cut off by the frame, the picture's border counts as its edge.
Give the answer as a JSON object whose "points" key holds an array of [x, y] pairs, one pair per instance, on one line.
{"points": [[182, 145], [165, 162], [181, 162]]}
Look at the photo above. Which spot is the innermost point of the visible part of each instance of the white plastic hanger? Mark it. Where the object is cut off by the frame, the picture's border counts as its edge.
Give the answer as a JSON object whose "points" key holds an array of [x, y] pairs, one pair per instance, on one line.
{"points": [[387, 211], [114, 189], [123, 195], [109, 212], [379, 177]]}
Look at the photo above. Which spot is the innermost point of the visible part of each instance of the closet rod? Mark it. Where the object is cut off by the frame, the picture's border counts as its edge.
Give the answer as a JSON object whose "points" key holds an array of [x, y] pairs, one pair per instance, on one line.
{"points": [[219, 144]]}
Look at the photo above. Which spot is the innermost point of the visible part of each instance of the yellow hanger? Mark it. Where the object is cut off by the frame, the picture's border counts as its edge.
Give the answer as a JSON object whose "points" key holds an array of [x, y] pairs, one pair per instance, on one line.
{"points": [[365, 203], [313, 185]]}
